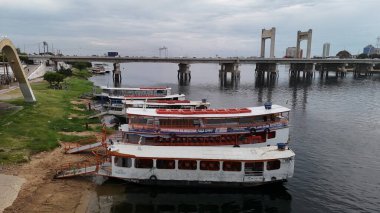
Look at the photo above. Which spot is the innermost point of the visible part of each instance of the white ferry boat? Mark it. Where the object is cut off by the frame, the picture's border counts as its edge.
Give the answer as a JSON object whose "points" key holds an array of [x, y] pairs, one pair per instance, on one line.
{"points": [[201, 166], [254, 126], [98, 69], [116, 95], [121, 109]]}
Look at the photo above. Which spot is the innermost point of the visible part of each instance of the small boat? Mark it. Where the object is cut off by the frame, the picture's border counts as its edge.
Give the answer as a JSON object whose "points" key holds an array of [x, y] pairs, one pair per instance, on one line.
{"points": [[98, 69]]}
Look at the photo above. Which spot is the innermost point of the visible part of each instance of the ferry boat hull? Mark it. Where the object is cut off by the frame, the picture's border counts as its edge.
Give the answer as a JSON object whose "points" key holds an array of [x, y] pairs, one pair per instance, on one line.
{"points": [[201, 184]]}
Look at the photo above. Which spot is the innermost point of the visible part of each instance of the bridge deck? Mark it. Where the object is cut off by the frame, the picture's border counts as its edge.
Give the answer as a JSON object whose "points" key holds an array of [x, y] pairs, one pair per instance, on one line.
{"points": [[194, 60]]}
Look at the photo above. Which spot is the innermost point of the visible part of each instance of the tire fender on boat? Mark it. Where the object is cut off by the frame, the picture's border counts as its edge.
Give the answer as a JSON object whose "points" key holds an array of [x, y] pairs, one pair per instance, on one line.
{"points": [[153, 178], [267, 130], [252, 131]]}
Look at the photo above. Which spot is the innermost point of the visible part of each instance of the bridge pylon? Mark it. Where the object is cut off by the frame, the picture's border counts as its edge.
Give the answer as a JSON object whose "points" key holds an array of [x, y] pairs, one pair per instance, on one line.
{"points": [[268, 34], [304, 36]]}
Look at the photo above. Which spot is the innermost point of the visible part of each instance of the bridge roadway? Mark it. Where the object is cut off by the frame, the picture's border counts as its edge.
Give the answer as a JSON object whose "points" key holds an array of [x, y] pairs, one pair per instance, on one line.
{"points": [[194, 60]]}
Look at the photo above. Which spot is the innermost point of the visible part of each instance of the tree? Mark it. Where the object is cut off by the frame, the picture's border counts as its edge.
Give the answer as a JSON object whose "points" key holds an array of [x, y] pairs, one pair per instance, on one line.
{"points": [[344, 54], [362, 56], [65, 72], [81, 65], [54, 79]]}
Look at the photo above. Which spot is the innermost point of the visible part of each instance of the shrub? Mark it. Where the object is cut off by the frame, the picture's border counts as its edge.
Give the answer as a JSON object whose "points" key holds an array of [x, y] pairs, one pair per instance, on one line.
{"points": [[54, 79]]}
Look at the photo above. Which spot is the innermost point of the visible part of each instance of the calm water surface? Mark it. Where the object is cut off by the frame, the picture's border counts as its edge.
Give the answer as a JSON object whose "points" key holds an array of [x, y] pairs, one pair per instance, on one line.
{"points": [[335, 133]]}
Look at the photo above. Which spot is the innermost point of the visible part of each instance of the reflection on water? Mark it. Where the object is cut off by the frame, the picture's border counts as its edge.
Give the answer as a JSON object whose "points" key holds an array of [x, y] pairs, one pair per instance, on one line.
{"points": [[134, 198]]}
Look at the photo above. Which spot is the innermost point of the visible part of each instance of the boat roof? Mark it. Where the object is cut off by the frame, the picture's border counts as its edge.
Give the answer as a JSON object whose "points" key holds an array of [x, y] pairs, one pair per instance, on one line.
{"points": [[146, 96], [244, 112], [135, 88], [165, 102], [201, 152]]}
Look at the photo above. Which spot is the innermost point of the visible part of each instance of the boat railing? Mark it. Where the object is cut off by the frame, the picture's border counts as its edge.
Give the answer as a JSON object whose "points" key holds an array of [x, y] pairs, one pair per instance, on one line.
{"points": [[80, 168], [247, 125]]}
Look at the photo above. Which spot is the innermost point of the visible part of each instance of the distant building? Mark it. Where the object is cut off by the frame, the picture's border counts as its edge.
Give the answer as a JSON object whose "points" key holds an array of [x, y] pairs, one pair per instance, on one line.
{"points": [[369, 50], [326, 50], [291, 52]]}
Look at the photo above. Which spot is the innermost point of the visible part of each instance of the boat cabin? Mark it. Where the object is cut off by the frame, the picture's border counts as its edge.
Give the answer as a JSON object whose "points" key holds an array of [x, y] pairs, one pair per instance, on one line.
{"points": [[201, 165], [141, 91], [238, 123]]}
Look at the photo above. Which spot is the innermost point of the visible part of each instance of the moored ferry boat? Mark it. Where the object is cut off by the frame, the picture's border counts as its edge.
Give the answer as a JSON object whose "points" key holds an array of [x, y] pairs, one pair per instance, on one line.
{"points": [[98, 69], [120, 109], [116, 95], [202, 166], [254, 126]]}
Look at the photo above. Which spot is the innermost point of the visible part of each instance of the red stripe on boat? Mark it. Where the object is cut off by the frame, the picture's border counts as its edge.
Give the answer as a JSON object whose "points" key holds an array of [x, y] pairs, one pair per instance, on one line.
{"points": [[202, 111]]}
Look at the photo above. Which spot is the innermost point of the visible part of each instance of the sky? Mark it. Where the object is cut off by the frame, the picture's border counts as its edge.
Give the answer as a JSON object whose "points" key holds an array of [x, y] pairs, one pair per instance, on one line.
{"points": [[192, 28]]}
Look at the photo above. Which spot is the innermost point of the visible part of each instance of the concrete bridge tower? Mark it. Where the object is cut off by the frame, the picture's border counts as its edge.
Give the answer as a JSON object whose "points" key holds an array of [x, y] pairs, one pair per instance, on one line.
{"points": [[265, 34], [267, 69], [304, 36], [307, 69]]}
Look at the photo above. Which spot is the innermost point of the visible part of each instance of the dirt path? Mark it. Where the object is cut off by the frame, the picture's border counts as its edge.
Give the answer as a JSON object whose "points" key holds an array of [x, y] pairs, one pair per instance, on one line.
{"points": [[42, 193]]}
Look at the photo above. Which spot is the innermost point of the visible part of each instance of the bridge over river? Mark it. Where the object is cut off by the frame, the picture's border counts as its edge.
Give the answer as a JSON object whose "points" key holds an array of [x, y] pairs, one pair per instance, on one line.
{"points": [[265, 67]]}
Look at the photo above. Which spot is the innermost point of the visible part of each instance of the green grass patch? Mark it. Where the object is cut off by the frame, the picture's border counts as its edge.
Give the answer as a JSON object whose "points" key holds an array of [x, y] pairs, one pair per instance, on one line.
{"points": [[36, 127]]}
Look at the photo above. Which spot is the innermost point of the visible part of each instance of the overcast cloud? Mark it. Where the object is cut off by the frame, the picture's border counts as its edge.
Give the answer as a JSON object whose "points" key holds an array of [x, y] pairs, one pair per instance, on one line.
{"points": [[187, 27]]}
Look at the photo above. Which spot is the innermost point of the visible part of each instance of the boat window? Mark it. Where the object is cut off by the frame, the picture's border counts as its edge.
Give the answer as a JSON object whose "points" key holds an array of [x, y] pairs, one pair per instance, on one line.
{"points": [[187, 164], [273, 164], [161, 92], [263, 136], [210, 165], [164, 122], [150, 121], [138, 120], [254, 167], [196, 122], [123, 162], [165, 164], [231, 166], [272, 134], [143, 163], [246, 120]]}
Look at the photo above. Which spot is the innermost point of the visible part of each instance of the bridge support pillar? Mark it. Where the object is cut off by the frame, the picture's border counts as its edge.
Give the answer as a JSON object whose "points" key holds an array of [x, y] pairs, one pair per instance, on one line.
{"points": [[55, 65], [226, 68], [363, 69], [266, 69], [184, 73], [307, 70], [340, 69], [116, 74]]}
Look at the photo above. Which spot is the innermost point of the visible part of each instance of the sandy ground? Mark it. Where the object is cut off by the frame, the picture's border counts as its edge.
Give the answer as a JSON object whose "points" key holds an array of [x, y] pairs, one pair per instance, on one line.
{"points": [[42, 193]]}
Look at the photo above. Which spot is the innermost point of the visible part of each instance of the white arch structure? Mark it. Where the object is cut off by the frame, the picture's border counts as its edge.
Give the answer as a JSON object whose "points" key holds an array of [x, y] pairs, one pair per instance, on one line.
{"points": [[9, 50]]}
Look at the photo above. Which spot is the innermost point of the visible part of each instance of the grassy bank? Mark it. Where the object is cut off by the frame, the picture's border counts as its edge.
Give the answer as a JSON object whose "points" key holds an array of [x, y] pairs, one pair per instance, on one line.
{"points": [[36, 127]]}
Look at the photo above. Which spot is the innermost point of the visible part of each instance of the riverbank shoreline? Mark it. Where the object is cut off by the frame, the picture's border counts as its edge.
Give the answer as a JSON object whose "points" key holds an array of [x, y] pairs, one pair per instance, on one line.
{"points": [[41, 192], [58, 116]]}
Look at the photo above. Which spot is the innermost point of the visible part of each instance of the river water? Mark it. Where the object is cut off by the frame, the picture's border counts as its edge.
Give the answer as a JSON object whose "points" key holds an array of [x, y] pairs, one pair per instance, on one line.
{"points": [[335, 133]]}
